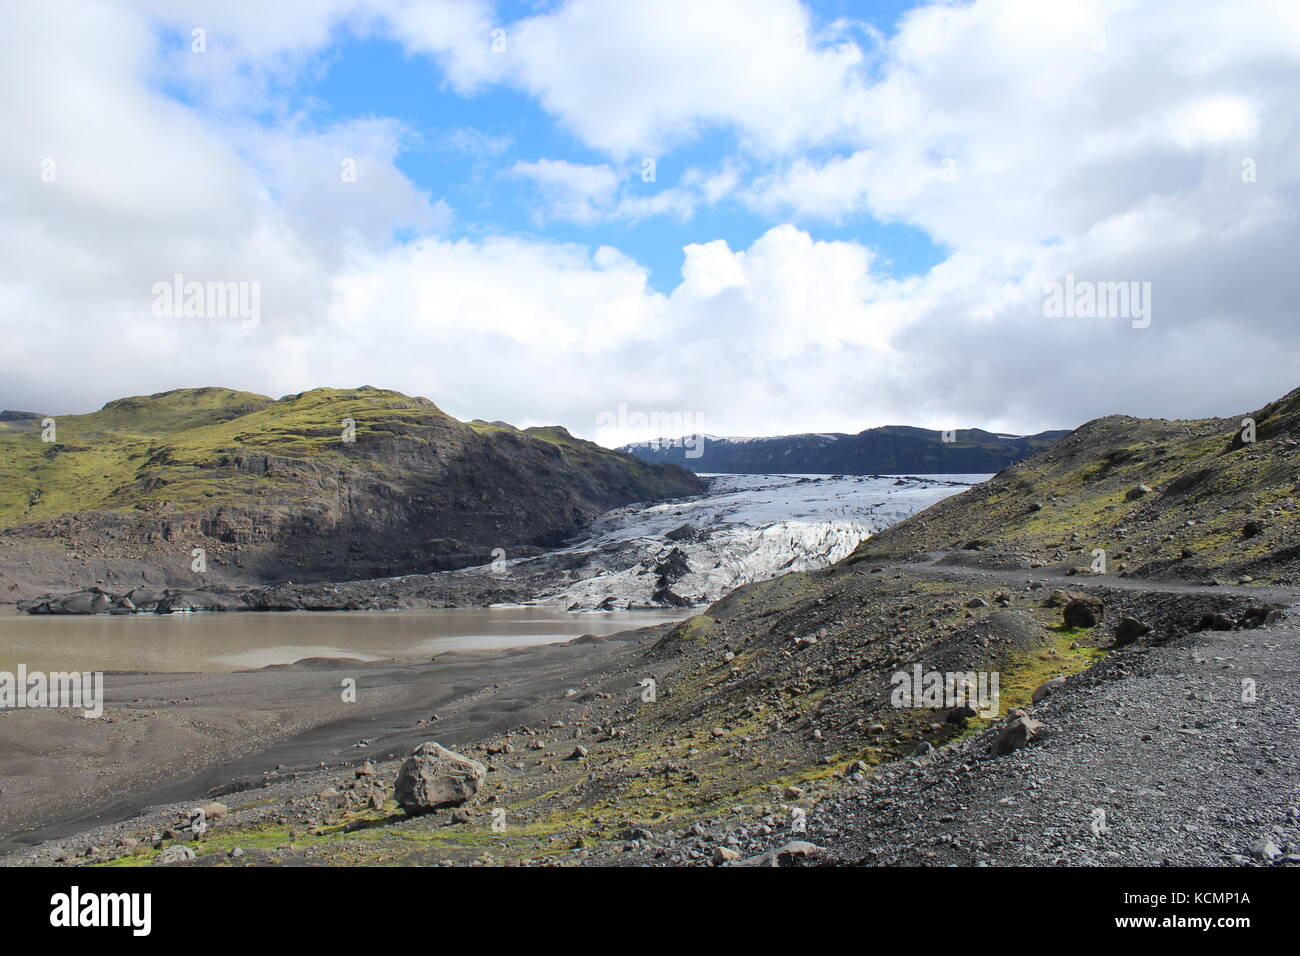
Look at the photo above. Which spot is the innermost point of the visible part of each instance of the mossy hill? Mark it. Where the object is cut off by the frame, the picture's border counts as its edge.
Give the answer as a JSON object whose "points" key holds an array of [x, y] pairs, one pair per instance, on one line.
{"points": [[1181, 499], [276, 488]]}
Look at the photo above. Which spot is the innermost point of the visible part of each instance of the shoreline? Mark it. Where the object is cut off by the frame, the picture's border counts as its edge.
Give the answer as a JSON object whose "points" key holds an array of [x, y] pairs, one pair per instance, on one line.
{"points": [[175, 737]]}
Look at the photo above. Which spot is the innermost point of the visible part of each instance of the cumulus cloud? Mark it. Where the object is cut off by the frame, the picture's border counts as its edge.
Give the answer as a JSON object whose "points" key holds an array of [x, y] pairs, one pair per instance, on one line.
{"points": [[1110, 141], [634, 79]]}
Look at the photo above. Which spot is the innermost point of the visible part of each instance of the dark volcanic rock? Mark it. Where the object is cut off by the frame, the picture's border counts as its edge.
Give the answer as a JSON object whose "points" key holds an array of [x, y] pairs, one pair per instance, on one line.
{"points": [[1018, 732], [1262, 615], [1128, 630], [672, 567], [1083, 611]]}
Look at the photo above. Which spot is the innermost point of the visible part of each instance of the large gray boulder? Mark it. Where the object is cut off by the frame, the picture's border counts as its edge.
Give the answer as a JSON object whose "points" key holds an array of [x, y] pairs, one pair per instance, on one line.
{"points": [[434, 777]]}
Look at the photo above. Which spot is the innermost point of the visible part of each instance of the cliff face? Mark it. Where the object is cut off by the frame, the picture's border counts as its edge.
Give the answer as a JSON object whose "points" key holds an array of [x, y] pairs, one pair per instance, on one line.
{"points": [[326, 485], [892, 449]]}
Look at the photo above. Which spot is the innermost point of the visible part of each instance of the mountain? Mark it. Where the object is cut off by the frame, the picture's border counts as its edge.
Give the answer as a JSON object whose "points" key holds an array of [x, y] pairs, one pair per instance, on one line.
{"points": [[890, 449], [272, 489]]}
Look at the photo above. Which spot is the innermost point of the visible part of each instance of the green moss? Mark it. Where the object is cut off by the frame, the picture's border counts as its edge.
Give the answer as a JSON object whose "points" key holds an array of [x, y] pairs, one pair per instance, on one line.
{"points": [[695, 629], [195, 449]]}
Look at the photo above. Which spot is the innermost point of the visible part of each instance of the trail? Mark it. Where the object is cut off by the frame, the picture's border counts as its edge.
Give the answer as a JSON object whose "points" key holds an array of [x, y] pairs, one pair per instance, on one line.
{"points": [[1185, 753]]}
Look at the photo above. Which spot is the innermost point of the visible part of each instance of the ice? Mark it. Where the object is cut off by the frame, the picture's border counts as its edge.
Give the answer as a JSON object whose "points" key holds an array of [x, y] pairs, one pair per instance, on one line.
{"points": [[752, 527]]}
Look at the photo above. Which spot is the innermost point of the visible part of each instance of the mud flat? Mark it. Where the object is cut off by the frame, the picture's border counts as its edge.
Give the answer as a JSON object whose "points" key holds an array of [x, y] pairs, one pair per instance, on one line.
{"points": [[175, 737]]}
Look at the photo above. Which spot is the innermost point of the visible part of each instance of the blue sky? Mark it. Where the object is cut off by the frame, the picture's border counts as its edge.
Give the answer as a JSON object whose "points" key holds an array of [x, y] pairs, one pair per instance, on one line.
{"points": [[372, 75]]}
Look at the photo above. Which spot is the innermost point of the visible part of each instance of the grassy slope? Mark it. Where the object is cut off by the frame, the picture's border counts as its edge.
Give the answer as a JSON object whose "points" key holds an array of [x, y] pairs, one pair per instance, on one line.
{"points": [[178, 447], [98, 453], [1206, 485]]}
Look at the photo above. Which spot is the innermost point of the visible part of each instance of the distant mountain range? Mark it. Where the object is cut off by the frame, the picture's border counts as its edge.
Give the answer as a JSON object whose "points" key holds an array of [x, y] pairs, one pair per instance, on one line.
{"points": [[889, 449]]}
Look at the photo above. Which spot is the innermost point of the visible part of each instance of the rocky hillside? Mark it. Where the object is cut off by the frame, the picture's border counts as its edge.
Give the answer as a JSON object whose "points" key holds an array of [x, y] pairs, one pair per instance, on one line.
{"points": [[275, 489], [1183, 499], [890, 450]]}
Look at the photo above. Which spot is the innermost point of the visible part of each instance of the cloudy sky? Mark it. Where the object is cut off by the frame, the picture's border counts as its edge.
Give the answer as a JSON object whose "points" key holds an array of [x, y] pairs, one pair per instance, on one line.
{"points": [[767, 215]]}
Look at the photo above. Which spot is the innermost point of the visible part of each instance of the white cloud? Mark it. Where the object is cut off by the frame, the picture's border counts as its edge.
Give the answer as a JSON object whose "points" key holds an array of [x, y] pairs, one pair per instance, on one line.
{"points": [[570, 191], [1114, 160], [634, 79]]}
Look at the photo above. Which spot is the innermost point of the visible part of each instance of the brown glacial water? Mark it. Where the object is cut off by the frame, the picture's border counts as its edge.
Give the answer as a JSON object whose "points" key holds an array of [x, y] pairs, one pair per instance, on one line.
{"points": [[217, 643]]}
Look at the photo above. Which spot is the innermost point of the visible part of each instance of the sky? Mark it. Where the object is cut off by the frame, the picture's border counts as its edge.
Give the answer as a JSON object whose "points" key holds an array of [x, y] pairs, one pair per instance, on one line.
{"points": [[749, 217]]}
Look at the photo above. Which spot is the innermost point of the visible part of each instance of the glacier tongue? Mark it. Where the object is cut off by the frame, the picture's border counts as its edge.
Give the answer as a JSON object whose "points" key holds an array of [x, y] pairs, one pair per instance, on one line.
{"points": [[745, 528]]}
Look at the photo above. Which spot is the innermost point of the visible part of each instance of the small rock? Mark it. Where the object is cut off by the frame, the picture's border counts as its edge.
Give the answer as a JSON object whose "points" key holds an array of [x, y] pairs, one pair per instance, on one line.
{"points": [[173, 854], [1266, 849], [1045, 688], [1016, 734]]}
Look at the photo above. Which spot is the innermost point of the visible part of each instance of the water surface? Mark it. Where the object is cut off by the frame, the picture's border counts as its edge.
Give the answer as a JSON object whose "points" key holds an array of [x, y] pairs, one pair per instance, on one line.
{"points": [[215, 643]]}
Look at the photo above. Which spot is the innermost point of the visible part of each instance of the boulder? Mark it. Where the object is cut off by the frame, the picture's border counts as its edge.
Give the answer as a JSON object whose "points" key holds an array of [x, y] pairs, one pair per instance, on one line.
{"points": [[1128, 630], [1262, 615], [1059, 597], [1266, 849], [1017, 732], [1083, 610], [434, 777], [794, 853], [173, 854], [1045, 688], [1136, 492], [960, 714], [1217, 621]]}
